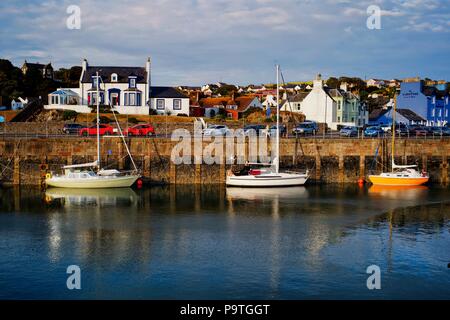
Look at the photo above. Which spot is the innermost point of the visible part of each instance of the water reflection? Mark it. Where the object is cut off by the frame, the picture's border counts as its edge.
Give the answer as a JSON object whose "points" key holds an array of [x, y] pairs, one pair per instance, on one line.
{"points": [[91, 197], [213, 242], [399, 192]]}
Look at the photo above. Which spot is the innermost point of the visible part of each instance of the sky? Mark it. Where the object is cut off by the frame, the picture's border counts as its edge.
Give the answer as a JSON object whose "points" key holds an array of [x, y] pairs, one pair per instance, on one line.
{"points": [[193, 42]]}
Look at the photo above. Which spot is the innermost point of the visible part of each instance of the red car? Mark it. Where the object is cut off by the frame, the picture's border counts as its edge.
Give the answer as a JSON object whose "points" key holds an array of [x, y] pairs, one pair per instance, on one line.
{"points": [[104, 129], [140, 130]]}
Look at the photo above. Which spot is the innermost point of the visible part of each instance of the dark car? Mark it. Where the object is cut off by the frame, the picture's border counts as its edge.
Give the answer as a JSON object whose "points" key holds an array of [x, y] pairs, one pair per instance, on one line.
{"points": [[439, 131], [402, 130], [273, 130], [306, 128], [254, 129], [72, 128], [418, 131]]}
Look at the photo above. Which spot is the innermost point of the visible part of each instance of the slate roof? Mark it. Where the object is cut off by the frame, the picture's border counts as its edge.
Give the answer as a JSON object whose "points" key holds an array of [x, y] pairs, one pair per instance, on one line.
{"points": [[410, 115], [122, 74], [377, 113], [166, 92]]}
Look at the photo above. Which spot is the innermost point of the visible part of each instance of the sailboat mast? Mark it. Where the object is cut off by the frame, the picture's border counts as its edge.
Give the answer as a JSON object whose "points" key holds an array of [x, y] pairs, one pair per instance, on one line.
{"points": [[98, 121], [393, 132], [277, 163]]}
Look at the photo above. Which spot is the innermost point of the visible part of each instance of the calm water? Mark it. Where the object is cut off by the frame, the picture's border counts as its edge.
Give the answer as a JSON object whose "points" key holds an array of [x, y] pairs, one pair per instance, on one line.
{"points": [[213, 243]]}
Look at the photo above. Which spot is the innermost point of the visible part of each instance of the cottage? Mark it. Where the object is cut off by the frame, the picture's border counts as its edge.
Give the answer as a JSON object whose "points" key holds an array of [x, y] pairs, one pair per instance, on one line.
{"points": [[45, 69], [127, 89], [169, 101]]}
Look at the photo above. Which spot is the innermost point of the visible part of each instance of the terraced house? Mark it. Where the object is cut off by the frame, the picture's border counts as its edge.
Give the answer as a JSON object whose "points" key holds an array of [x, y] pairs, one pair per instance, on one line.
{"points": [[334, 106]]}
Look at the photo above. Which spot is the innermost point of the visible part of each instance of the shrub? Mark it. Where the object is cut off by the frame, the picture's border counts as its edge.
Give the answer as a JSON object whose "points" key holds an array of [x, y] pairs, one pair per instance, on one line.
{"points": [[69, 115], [133, 120], [182, 115], [103, 119]]}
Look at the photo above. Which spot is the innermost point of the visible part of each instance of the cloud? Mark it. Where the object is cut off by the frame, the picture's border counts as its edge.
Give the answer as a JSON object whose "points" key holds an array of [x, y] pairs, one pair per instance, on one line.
{"points": [[228, 40]]}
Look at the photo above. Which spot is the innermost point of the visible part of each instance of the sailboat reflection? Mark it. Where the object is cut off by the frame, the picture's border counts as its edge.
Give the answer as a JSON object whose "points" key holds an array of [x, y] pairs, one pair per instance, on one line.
{"points": [[266, 193], [92, 197], [399, 192]]}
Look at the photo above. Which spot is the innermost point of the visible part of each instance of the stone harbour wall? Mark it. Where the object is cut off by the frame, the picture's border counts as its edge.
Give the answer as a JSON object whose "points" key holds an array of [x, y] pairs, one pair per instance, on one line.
{"points": [[26, 160]]}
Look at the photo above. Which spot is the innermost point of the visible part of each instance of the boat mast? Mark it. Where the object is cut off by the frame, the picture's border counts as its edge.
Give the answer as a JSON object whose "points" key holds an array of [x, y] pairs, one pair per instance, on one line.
{"points": [[98, 121], [277, 163], [393, 132]]}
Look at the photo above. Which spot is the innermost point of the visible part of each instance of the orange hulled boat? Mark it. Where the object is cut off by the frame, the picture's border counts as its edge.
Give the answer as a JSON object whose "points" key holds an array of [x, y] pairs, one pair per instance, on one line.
{"points": [[400, 175]]}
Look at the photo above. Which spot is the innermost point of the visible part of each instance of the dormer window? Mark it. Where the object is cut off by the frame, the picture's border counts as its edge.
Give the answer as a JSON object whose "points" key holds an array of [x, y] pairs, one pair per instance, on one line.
{"points": [[94, 81], [114, 77], [132, 82]]}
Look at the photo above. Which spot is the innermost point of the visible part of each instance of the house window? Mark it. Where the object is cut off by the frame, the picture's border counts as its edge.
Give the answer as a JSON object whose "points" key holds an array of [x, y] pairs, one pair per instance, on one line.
{"points": [[432, 112], [132, 82], [160, 104], [339, 119], [177, 104], [114, 77], [132, 98], [138, 99]]}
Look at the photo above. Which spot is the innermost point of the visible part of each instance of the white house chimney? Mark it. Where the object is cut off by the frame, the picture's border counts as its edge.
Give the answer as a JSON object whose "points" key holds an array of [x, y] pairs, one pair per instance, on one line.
{"points": [[84, 64], [318, 82]]}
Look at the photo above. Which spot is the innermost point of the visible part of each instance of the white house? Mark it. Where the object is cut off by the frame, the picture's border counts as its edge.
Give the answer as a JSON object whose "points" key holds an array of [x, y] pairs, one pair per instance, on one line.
{"points": [[167, 100], [375, 83], [19, 104], [270, 101], [293, 103], [127, 89], [333, 106]]}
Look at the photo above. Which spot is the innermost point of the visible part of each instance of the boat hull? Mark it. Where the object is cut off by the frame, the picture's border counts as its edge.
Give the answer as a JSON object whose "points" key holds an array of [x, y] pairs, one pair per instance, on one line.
{"points": [[92, 183], [267, 181], [397, 181]]}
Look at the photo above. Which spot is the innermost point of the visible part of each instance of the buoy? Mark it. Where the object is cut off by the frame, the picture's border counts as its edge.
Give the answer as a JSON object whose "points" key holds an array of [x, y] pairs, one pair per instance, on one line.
{"points": [[48, 175], [139, 183], [361, 182]]}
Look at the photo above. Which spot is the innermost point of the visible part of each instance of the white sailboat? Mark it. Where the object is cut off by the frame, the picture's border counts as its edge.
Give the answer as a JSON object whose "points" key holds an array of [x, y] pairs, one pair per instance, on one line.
{"points": [[83, 176], [271, 176]]}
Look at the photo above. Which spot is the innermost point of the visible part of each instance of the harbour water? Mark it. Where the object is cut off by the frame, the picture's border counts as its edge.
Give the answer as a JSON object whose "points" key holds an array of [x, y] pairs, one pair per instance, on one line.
{"points": [[212, 243]]}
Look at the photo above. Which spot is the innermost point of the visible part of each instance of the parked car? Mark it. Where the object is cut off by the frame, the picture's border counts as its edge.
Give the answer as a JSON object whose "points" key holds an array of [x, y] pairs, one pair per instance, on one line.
{"points": [[386, 127], [273, 130], [72, 128], [373, 132], [439, 131], [418, 131], [306, 128], [257, 129], [104, 129], [140, 130], [349, 132], [402, 130], [216, 130]]}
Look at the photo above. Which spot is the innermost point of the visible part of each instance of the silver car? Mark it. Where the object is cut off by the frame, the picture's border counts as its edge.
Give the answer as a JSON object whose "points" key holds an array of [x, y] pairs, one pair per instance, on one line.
{"points": [[216, 130]]}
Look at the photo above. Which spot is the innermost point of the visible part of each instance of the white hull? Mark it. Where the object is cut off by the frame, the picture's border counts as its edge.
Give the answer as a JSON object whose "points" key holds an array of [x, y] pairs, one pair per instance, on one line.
{"points": [[96, 182], [267, 180]]}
